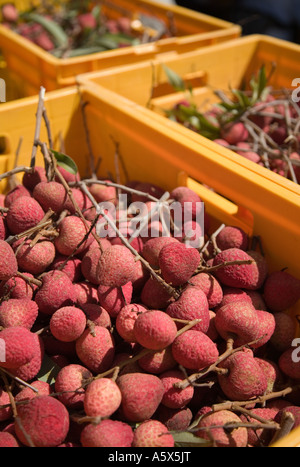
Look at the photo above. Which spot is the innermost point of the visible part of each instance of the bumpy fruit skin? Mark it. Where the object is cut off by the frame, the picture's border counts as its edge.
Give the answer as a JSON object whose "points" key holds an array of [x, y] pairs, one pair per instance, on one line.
{"points": [[67, 323], [30, 370], [126, 319], [45, 420], [245, 276], [192, 304], [69, 382], [210, 286], [5, 412], [17, 287], [281, 291], [9, 265], [113, 299], [194, 350], [30, 180], [18, 346], [96, 351], [141, 395], [85, 293], [116, 266], [284, 332], [70, 266], [178, 263], [90, 265], [97, 315], [152, 433], [232, 237], [155, 295], [43, 388], [19, 190], [245, 379], [152, 248], [7, 440], [35, 259], [102, 398], [72, 232], [158, 362], [235, 438], [175, 398], [154, 330], [50, 195], [107, 434], [25, 212], [189, 200], [18, 312], [56, 292]]}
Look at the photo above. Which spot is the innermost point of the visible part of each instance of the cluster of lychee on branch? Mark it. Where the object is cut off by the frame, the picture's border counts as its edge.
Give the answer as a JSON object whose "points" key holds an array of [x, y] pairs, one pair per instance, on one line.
{"points": [[151, 341]]}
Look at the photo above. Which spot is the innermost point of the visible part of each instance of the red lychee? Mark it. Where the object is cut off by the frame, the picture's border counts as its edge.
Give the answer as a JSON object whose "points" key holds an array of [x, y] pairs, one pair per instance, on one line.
{"points": [[116, 266], [67, 323], [126, 319], [18, 312], [96, 350], [56, 291], [154, 329], [152, 433], [178, 263], [25, 212], [175, 398], [108, 433], [102, 398], [281, 291], [34, 259], [113, 299], [69, 383], [9, 265], [45, 420], [232, 237], [194, 350]]}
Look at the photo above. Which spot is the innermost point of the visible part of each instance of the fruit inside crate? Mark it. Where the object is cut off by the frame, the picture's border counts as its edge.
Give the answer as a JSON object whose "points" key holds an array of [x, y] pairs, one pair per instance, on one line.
{"points": [[111, 140], [225, 84]]}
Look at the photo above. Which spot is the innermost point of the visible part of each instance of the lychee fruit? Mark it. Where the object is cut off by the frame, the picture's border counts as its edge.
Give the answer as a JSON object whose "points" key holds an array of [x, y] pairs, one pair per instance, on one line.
{"points": [[72, 236], [24, 213], [194, 350], [245, 378], [141, 395], [34, 259], [210, 286], [18, 312], [246, 276], [234, 133], [70, 266], [9, 265], [116, 266], [158, 362], [152, 248], [174, 419], [113, 299], [30, 370], [107, 433], [126, 318], [192, 304], [175, 398], [284, 332], [45, 420], [288, 363], [6, 408], [214, 422], [260, 437], [31, 179], [70, 385], [154, 329], [102, 398], [97, 315], [281, 291], [147, 188], [232, 237], [155, 295], [50, 195], [103, 193], [19, 190], [8, 440], [90, 265], [67, 323], [3, 229], [85, 293], [43, 389], [17, 344], [189, 200], [18, 287], [56, 291], [178, 263], [96, 350], [152, 433]]}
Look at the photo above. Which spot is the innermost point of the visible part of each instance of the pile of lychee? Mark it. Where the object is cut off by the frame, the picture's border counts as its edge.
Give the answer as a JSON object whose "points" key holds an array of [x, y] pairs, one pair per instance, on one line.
{"points": [[148, 341]]}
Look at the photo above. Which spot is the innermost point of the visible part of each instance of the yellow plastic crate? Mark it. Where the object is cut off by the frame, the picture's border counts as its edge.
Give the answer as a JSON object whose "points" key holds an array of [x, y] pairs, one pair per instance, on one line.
{"points": [[38, 68], [155, 154], [217, 67]]}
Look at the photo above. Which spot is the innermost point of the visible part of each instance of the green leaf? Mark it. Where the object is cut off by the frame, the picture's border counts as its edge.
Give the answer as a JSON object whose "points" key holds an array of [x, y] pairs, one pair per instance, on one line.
{"points": [[188, 439], [174, 79], [65, 161], [258, 84], [48, 371]]}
